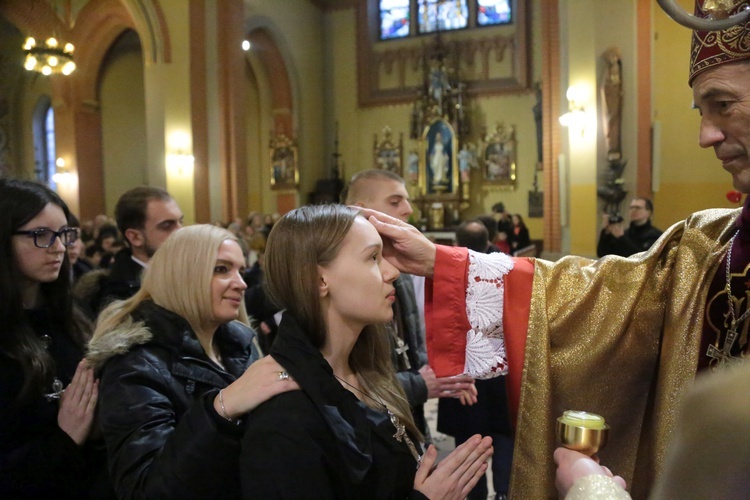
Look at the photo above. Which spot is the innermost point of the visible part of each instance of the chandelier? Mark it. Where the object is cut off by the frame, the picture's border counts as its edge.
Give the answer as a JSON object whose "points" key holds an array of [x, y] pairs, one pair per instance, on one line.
{"points": [[49, 57]]}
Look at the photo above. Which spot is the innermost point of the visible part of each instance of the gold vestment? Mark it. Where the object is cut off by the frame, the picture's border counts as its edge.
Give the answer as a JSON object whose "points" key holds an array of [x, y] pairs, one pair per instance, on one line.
{"points": [[619, 337]]}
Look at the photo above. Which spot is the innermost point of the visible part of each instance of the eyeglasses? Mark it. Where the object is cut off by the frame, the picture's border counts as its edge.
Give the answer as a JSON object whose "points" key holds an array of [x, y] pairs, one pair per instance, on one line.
{"points": [[637, 208], [45, 237]]}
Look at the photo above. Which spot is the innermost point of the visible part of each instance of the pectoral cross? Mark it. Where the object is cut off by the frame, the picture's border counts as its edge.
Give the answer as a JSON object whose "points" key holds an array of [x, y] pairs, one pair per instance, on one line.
{"points": [[721, 358], [401, 349], [401, 435]]}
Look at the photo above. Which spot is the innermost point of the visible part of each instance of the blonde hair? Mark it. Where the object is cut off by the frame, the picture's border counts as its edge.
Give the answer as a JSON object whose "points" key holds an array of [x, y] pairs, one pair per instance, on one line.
{"points": [[302, 240], [178, 279]]}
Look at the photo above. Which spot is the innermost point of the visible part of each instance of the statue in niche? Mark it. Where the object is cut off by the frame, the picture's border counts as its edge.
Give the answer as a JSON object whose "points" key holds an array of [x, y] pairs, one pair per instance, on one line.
{"points": [[439, 161], [467, 159], [612, 92], [412, 166], [613, 191]]}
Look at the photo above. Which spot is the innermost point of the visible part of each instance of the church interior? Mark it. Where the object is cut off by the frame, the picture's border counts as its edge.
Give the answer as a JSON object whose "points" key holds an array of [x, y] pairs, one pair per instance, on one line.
{"points": [[240, 106]]}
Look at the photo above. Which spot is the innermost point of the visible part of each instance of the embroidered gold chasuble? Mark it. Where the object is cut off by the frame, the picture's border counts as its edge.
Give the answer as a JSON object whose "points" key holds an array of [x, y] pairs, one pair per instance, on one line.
{"points": [[619, 337]]}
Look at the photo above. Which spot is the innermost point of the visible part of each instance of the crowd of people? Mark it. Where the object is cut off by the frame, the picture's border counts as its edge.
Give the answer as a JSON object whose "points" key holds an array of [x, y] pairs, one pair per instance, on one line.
{"points": [[148, 380]]}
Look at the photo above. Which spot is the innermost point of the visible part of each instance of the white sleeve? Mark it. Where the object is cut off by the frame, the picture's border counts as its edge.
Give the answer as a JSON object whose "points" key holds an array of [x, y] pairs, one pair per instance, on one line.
{"points": [[485, 344]]}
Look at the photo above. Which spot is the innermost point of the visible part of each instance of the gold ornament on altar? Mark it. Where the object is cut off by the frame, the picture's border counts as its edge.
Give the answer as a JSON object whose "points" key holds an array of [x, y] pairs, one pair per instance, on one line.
{"points": [[582, 431], [387, 153]]}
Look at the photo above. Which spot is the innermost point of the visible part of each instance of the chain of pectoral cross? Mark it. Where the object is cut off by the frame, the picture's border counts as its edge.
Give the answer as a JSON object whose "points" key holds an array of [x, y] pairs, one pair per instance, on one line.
{"points": [[723, 357]]}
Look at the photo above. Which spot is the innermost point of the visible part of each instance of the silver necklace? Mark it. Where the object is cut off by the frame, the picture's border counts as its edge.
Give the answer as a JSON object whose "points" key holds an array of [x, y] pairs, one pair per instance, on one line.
{"points": [[723, 357], [400, 435]]}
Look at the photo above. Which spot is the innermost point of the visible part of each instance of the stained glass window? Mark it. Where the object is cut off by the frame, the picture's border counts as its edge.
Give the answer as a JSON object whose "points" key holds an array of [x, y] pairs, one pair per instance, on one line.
{"points": [[394, 19], [492, 12], [442, 15]]}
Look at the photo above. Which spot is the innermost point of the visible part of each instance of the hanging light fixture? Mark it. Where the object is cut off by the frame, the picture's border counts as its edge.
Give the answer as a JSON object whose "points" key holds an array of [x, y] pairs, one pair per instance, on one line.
{"points": [[50, 57]]}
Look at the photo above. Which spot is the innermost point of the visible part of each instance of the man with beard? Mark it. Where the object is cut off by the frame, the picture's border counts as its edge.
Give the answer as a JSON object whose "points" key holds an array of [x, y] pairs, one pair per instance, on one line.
{"points": [[145, 216]]}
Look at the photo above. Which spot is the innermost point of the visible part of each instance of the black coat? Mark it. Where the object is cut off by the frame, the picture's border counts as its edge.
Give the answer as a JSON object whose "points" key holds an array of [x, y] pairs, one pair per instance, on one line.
{"points": [[96, 290], [411, 380], [164, 438], [636, 239], [38, 459], [321, 442]]}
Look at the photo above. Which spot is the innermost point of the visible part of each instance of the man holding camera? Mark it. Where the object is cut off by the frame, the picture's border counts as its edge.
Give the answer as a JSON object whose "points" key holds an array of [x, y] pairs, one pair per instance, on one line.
{"points": [[616, 240]]}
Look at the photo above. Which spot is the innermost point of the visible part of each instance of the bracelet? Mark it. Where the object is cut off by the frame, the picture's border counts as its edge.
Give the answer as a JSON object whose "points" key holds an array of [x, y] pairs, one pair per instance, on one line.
{"points": [[224, 410]]}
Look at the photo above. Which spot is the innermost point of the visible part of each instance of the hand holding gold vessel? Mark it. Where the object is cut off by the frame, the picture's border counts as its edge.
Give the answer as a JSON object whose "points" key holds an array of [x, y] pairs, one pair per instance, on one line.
{"points": [[582, 431]]}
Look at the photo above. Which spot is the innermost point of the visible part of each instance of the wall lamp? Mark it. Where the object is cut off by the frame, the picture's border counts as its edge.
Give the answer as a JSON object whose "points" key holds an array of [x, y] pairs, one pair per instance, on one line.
{"points": [[576, 117], [180, 161], [62, 174]]}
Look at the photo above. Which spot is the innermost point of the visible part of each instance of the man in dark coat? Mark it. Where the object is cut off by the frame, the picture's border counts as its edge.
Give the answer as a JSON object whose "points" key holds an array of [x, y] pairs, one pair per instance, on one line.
{"points": [[638, 237], [145, 216]]}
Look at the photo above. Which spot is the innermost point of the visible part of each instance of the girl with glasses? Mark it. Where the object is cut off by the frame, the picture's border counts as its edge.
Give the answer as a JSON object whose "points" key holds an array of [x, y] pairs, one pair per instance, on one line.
{"points": [[47, 394]]}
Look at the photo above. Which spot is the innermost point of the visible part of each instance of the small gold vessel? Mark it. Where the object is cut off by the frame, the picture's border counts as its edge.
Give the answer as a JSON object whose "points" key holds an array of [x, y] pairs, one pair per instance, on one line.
{"points": [[582, 431]]}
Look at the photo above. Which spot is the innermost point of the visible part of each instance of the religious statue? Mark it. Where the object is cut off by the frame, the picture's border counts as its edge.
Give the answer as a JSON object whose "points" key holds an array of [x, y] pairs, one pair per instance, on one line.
{"points": [[467, 159], [612, 92], [439, 161], [412, 166], [613, 191]]}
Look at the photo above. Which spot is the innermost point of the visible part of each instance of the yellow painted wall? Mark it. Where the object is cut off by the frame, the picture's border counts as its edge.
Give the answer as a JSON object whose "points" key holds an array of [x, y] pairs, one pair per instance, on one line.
{"points": [[123, 126], [691, 178], [297, 28]]}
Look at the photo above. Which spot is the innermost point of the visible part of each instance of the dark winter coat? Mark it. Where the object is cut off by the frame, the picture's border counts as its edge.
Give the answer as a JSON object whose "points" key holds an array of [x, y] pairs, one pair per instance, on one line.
{"points": [[320, 442], [38, 459], [164, 438]]}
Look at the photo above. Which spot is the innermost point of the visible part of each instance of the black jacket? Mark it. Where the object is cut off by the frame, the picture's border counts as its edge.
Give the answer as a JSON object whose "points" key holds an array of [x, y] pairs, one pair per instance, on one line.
{"points": [[164, 438], [321, 442], [410, 379], [38, 459], [636, 239], [96, 290]]}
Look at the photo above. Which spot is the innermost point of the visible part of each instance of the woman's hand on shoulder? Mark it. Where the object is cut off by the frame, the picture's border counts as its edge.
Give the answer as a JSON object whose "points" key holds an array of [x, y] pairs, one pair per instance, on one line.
{"points": [[262, 380], [78, 404], [457, 474]]}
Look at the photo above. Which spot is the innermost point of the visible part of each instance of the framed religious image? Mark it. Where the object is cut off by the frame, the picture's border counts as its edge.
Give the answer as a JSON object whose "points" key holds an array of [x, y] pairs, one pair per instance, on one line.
{"points": [[438, 161], [386, 153], [284, 167], [499, 157]]}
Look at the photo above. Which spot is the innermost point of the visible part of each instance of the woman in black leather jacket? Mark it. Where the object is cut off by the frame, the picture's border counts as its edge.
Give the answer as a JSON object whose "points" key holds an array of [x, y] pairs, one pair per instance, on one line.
{"points": [[174, 372]]}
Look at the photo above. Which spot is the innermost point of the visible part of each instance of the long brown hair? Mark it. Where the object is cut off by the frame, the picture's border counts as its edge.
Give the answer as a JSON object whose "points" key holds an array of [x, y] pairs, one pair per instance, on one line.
{"points": [[302, 240]]}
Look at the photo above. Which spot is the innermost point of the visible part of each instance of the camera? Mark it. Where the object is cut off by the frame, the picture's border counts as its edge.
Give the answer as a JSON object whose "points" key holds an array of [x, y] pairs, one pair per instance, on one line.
{"points": [[615, 218]]}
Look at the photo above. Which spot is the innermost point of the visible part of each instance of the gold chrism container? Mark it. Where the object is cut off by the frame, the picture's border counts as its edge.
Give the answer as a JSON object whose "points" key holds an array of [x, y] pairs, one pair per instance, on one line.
{"points": [[582, 431]]}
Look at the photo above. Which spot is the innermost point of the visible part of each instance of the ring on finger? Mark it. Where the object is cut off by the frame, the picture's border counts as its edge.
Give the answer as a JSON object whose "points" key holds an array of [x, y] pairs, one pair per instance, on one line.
{"points": [[283, 375]]}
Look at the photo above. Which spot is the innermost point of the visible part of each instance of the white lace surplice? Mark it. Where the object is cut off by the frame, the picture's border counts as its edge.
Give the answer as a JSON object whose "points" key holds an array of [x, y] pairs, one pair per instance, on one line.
{"points": [[485, 343]]}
